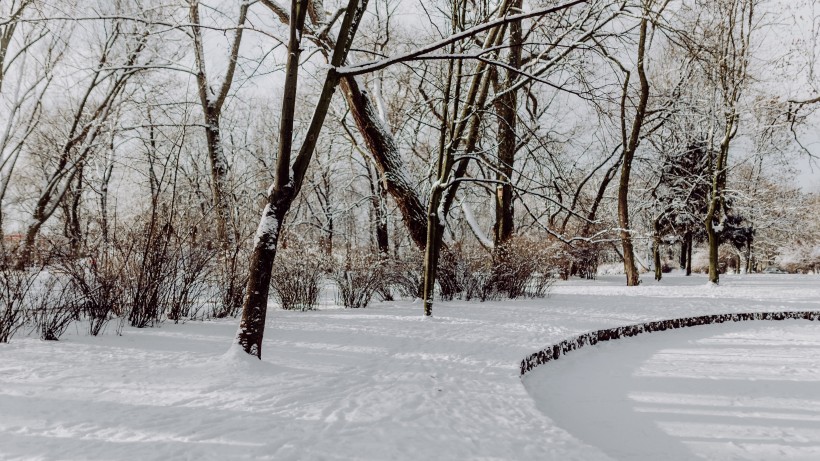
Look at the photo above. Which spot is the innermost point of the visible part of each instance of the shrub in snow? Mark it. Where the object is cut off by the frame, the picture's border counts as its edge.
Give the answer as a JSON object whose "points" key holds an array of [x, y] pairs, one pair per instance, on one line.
{"points": [[164, 273], [295, 279], [14, 288], [580, 260], [465, 272], [231, 278], [799, 258], [192, 281], [700, 260], [358, 278], [149, 278], [521, 268], [96, 285], [403, 275], [728, 259], [52, 307]]}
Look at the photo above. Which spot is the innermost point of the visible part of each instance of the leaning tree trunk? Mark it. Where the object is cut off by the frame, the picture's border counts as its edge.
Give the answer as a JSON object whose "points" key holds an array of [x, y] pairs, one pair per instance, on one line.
{"points": [[381, 145]]}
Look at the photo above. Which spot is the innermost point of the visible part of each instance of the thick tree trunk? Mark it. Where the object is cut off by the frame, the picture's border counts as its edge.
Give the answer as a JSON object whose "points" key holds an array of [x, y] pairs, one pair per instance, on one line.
{"points": [[385, 152], [382, 146], [255, 306], [714, 243], [507, 114]]}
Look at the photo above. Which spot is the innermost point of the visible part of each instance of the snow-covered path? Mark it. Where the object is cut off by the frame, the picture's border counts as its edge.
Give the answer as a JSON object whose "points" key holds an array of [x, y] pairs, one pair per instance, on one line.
{"points": [[379, 383], [744, 391]]}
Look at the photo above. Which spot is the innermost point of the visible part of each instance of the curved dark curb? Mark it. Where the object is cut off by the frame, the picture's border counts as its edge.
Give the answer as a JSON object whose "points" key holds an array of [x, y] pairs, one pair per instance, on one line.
{"points": [[555, 351]]}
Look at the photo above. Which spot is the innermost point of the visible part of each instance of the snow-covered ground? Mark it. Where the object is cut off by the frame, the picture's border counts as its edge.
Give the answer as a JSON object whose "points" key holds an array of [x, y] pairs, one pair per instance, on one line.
{"points": [[381, 383]]}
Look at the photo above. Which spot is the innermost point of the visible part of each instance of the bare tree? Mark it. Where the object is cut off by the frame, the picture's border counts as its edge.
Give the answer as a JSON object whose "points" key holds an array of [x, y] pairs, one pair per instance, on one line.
{"points": [[29, 51], [118, 60], [289, 176], [724, 55]]}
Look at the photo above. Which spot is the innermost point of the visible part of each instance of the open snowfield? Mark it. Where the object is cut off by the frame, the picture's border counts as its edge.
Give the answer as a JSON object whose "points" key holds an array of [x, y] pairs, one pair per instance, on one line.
{"points": [[381, 383]]}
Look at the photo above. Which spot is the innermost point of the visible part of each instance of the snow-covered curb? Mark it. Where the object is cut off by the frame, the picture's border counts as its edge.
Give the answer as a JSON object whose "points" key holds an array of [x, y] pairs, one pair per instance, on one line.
{"points": [[591, 338]]}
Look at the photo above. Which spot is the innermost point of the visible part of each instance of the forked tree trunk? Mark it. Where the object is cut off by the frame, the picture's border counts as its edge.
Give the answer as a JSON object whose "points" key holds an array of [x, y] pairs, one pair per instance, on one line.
{"points": [[432, 251], [288, 178]]}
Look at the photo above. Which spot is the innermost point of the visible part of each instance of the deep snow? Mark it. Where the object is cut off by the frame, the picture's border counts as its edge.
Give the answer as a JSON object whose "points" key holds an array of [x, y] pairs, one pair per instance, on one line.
{"points": [[378, 383]]}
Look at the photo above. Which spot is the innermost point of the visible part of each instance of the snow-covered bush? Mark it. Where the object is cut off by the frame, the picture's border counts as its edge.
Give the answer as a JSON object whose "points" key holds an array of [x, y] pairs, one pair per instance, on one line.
{"points": [[358, 278], [799, 258], [296, 278]]}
